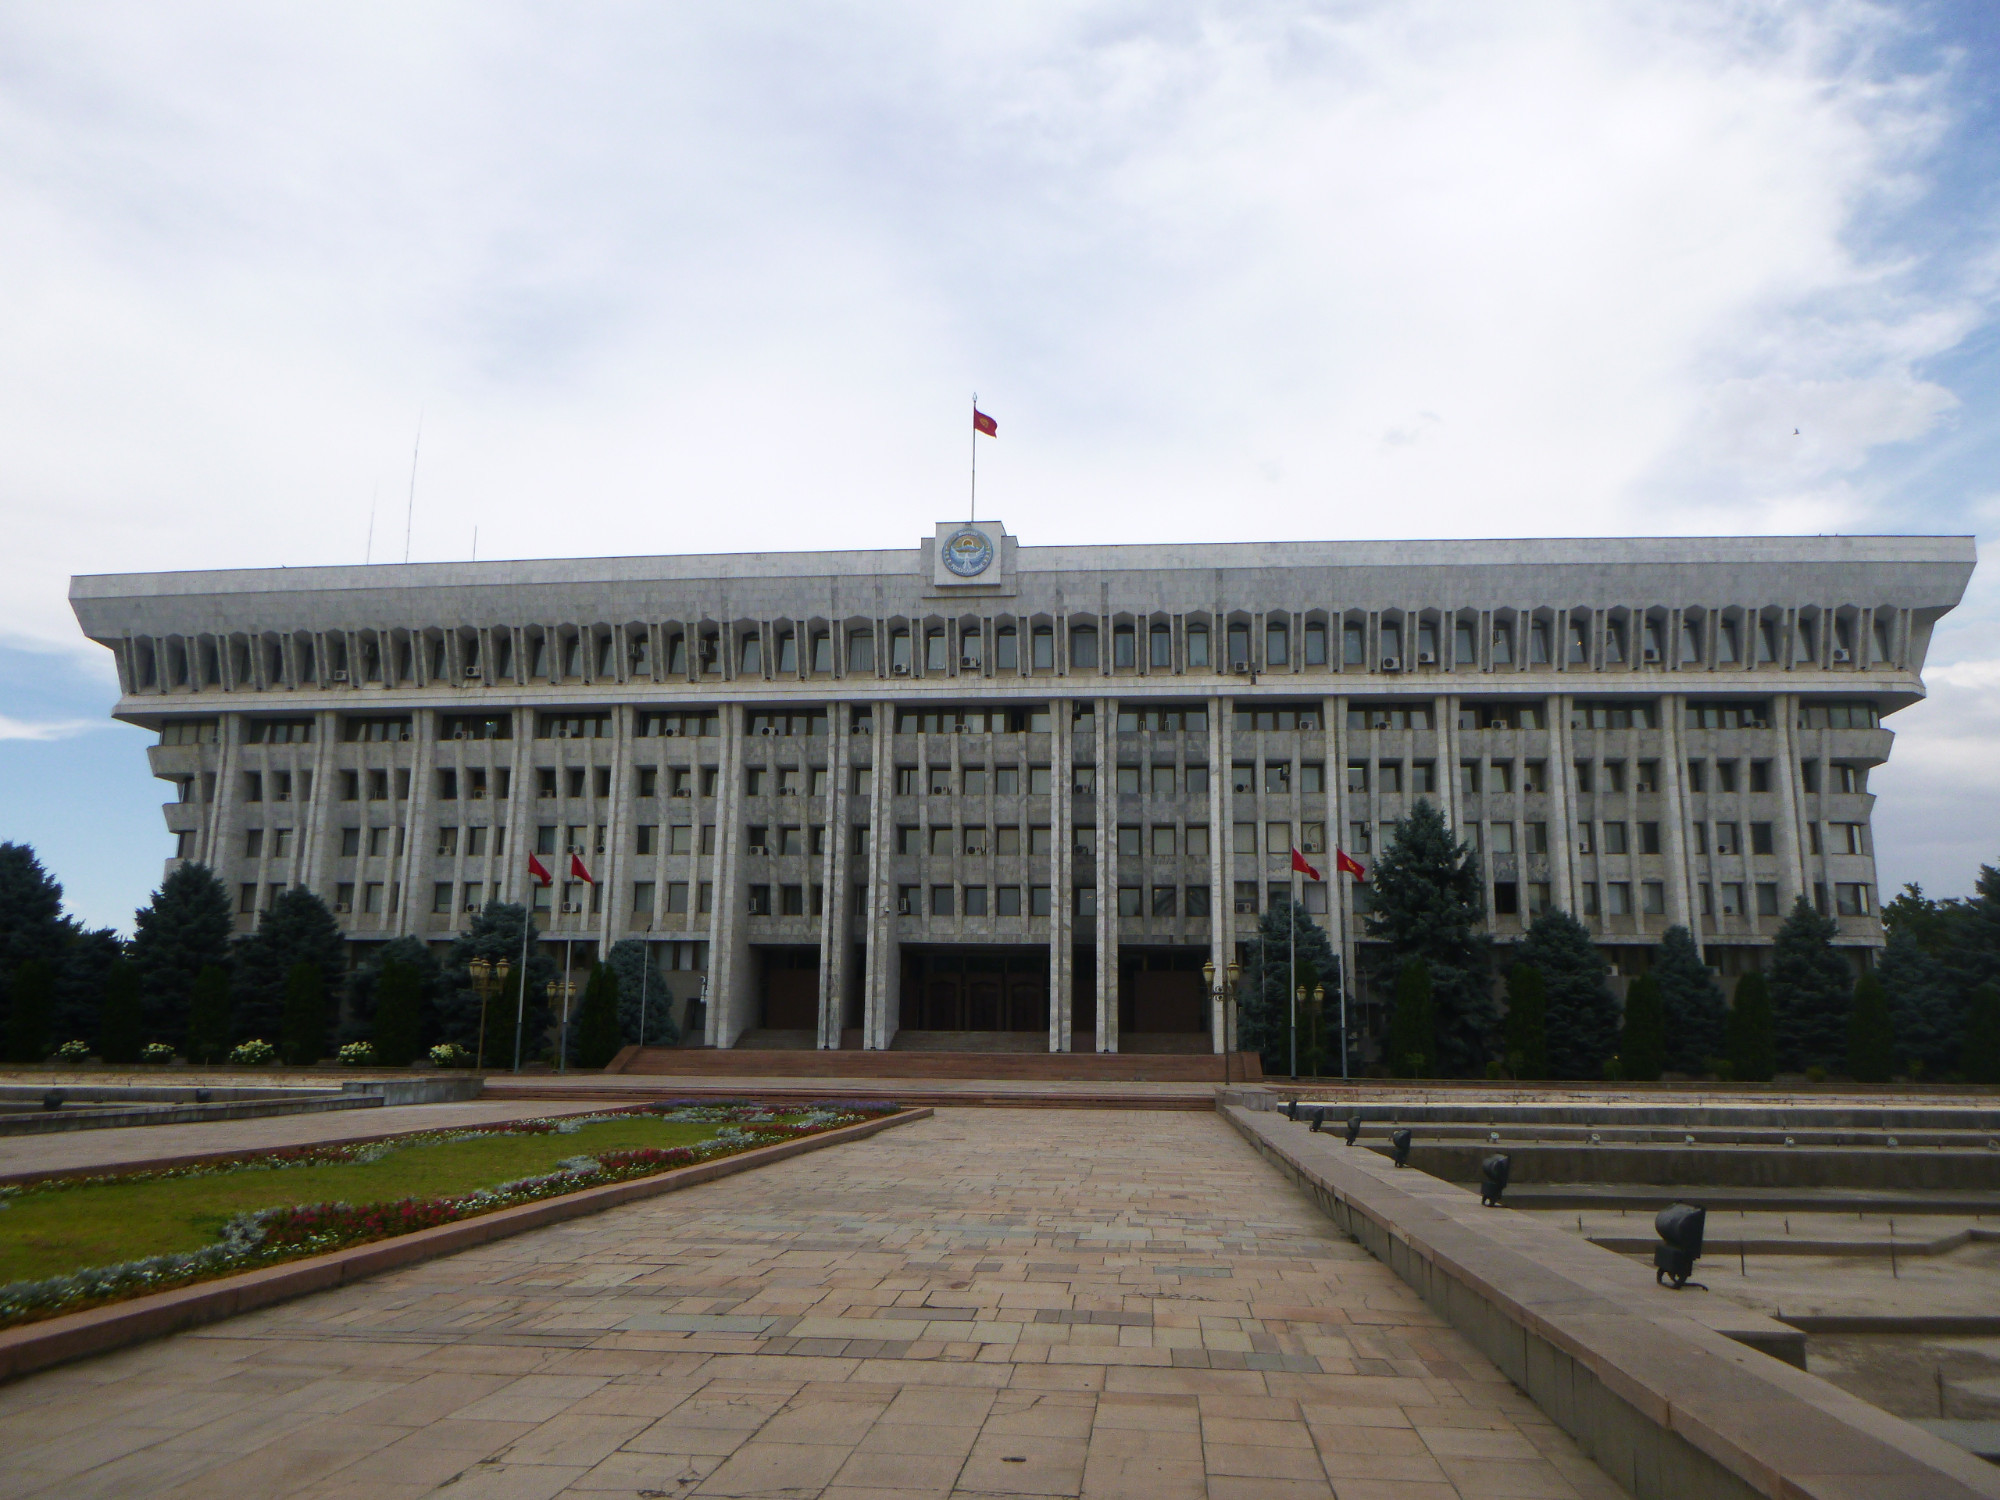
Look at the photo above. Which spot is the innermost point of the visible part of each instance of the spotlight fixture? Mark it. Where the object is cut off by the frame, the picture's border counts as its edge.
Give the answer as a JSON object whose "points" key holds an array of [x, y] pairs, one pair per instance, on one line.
{"points": [[1319, 1121], [1292, 1110], [1400, 1144], [1493, 1179], [53, 1099], [1353, 1127], [1680, 1225]]}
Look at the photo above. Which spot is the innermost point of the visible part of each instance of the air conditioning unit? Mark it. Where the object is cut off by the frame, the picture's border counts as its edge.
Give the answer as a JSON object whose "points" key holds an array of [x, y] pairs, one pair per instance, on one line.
{"points": [[572, 908], [471, 673], [1241, 668], [339, 674], [1651, 655], [343, 907], [968, 664], [757, 850], [766, 731], [472, 906], [1081, 789], [1082, 852], [1427, 659], [1246, 908], [905, 907], [668, 732], [900, 669], [1392, 664], [1842, 656], [683, 792], [477, 794]]}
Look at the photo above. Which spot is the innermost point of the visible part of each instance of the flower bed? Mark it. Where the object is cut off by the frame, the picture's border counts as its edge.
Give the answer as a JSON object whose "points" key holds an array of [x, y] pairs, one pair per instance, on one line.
{"points": [[284, 1232]]}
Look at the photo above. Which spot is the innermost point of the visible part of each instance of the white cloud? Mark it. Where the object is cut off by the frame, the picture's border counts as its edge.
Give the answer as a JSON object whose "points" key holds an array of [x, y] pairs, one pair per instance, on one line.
{"points": [[57, 729]]}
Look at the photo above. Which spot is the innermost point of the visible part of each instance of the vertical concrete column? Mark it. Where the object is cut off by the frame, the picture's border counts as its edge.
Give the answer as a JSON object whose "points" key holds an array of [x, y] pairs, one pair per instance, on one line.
{"points": [[413, 815], [1107, 871], [1339, 907], [1444, 711], [615, 903], [834, 948], [222, 810], [882, 999], [513, 883], [1062, 898], [1218, 885], [732, 998], [1562, 805], [1682, 908], [1790, 833], [1222, 799], [315, 824]]}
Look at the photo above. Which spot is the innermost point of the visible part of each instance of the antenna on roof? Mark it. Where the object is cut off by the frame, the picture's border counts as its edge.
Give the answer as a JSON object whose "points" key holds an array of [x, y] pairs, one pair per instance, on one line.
{"points": [[410, 510], [368, 552]]}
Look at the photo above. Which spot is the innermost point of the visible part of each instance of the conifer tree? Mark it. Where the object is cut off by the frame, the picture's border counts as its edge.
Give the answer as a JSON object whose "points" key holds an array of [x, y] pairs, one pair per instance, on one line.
{"points": [[1692, 1010], [642, 988], [597, 1039], [1812, 990], [1642, 1041], [121, 1026], [1527, 1023], [30, 1003], [495, 935], [1752, 1034], [1923, 1008], [1264, 1003], [1428, 897], [31, 922], [1413, 1023], [1979, 1057], [208, 1029], [399, 1014], [86, 962], [1871, 1038], [181, 931], [303, 1031], [298, 929], [1581, 1013]]}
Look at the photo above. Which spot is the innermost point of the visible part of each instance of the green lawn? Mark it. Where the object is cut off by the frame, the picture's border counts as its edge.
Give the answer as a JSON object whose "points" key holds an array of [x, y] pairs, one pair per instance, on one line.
{"points": [[55, 1232]]}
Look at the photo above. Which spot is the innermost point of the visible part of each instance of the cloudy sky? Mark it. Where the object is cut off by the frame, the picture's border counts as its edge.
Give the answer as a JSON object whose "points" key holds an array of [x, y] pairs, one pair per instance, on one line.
{"points": [[676, 277]]}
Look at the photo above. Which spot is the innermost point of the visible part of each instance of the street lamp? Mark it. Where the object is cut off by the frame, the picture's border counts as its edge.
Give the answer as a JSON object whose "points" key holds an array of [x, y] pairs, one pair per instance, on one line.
{"points": [[489, 979], [562, 990], [1224, 996]]}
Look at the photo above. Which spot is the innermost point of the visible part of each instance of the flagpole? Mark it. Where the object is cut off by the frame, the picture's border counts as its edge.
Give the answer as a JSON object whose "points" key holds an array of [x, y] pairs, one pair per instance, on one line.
{"points": [[974, 509], [1340, 916], [521, 995], [1292, 988]]}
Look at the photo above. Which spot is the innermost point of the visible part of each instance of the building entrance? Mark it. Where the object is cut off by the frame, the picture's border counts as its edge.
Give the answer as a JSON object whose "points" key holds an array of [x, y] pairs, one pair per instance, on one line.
{"points": [[983, 989], [1160, 991], [791, 989]]}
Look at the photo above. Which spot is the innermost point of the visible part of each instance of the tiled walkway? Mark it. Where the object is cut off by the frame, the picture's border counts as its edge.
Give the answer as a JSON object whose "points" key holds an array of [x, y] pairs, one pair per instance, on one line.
{"points": [[1006, 1302]]}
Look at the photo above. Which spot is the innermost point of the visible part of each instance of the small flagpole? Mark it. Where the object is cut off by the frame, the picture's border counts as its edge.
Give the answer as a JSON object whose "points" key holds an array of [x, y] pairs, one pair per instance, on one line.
{"points": [[974, 509], [521, 995], [1340, 916], [1292, 988]]}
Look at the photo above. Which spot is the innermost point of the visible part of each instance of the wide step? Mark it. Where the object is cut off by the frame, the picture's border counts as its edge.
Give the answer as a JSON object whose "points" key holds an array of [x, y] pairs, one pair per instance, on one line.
{"points": [[1139, 1067]]}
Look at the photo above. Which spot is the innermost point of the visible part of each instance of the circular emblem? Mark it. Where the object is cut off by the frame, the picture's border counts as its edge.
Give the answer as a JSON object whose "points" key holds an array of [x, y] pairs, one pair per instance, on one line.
{"points": [[968, 552]]}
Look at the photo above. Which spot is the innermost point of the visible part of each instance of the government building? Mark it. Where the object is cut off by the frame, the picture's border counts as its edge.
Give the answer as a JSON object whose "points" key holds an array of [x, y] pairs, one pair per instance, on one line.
{"points": [[975, 786]]}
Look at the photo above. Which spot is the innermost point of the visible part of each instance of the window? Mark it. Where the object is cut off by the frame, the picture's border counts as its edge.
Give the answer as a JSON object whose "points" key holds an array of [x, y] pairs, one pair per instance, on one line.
{"points": [[1357, 776], [1086, 901], [1277, 777], [1006, 649], [1506, 898], [1006, 840], [1083, 780], [791, 901], [1468, 777], [1164, 902], [1353, 646], [1389, 777], [1698, 838], [1276, 718], [1653, 898], [1617, 898], [1246, 898], [1124, 647], [1131, 901], [934, 652], [1315, 645], [1039, 781], [1277, 646], [1312, 778], [1423, 778], [1243, 838], [1761, 841], [1128, 781], [1647, 776], [1083, 842], [1197, 781], [760, 901], [1500, 776], [1357, 838], [1359, 717], [1464, 651], [1040, 901], [1584, 769], [1041, 840], [1500, 838], [1427, 641], [642, 898], [1649, 838], [977, 841], [1732, 899], [1197, 646], [705, 894], [1848, 838], [1243, 778], [1767, 899], [1729, 713], [1614, 839], [1164, 842], [1503, 644], [1042, 645], [1612, 715], [1584, 843], [1851, 900], [441, 898], [1277, 838], [975, 900], [1083, 647], [1838, 715], [1728, 838], [1538, 897], [1697, 776], [1007, 901], [573, 726], [791, 841], [1312, 838], [861, 652], [1196, 904], [253, 843], [1239, 645]]}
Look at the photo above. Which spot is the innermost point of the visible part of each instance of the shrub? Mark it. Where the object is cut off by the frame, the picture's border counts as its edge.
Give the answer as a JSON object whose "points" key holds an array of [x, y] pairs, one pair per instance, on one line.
{"points": [[1751, 1032], [253, 1053], [1642, 1048], [1871, 1037], [156, 1052], [450, 1055], [357, 1055], [74, 1052]]}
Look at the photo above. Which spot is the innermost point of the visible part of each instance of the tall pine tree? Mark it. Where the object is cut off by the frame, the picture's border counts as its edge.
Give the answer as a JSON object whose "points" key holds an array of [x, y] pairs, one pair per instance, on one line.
{"points": [[1264, 998], [121, 1025], [1871, 1037], [642, 988], [208, 1030], [1582, 1014], [1812, 989], [361, 1020], [1923, 1005], [597, 1040], [181, 931], [1642, 1040], [31, 999], [1428, 898], [298, 929], [1979, 1054], [31, 923], [399, 1014], [1752, 1034], [1527, 1023], [1412, 1045], [86, 962], [1692, 1010], [304, 1026], [495, 935]]}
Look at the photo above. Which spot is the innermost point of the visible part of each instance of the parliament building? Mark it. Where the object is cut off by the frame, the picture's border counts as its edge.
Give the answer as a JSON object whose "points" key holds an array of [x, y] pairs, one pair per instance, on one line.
{"points": [[979, 787]]}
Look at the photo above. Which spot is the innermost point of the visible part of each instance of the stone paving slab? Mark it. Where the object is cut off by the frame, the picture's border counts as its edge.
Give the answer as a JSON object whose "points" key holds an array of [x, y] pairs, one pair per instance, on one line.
{"points": [[1001, 1302], [89, 1150]]}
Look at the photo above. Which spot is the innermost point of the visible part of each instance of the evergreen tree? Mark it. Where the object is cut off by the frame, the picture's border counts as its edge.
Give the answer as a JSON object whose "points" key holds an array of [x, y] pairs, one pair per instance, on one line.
{"points": [[1871, 1037], [86, 962], [121, 1025], [361, 1021], [30, 1005], [31, 921], [304, 1026], [1752, 1033], [1923, 1008], [1581, 1013], [1413, 1023], [1427, 902], [399, 1014], [181, 931], [1264, 998], [208, 1029], [597, 1039], [1812, 990], [1527, 1023], [1979, 1057], [1692, 1009], [495, 935], [642, 986], [298, 929], [1972, 934], [1642, 1043]]}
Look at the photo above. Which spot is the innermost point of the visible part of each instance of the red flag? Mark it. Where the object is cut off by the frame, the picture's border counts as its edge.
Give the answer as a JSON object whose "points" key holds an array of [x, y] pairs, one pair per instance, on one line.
{"points": [[538, 872], [577, 871], [1347, 865], [1301, 867], [983, 423]]}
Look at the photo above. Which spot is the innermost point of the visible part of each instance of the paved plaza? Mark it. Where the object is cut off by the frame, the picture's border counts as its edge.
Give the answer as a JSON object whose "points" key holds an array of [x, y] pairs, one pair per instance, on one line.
{"points": [[988, 1302]]}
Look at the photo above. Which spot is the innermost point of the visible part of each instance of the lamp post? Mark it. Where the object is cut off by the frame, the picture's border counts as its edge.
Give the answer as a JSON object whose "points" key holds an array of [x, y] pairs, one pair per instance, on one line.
{"points": [[1224, 996], [560, 990], [488, 979]]}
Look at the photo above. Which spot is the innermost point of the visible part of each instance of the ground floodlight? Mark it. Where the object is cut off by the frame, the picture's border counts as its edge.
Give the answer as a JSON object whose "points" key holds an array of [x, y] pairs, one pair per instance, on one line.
{"points": [[202, 1096], [1354, 1127], [1680, 1225], [1319, 1121], [53, 1099], [1400, 1144], [1493, 1179], [1292, 1110]]}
